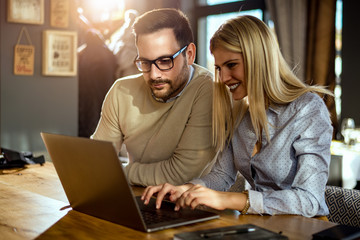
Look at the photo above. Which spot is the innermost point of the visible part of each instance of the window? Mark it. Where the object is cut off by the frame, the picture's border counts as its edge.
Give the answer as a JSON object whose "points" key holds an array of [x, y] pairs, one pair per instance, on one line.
{"points": [[215, 2], [338, 59], [210, 14]]}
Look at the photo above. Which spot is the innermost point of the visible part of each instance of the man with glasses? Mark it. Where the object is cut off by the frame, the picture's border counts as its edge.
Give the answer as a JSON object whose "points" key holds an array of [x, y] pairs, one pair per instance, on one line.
{"points": [[163, 115]]}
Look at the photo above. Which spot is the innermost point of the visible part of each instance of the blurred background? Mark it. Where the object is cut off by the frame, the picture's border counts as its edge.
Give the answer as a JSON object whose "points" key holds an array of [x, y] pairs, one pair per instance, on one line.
{"points": [[317, 37]]}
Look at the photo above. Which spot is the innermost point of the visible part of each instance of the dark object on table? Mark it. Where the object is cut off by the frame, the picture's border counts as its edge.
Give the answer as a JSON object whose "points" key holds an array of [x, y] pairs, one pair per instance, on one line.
{"points": [[343, 232], [13, 159], [245, 231]]}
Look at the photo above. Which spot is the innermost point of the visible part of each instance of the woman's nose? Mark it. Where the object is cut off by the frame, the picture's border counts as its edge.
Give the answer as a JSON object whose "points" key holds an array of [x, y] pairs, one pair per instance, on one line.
{"points": [[225, 76]]}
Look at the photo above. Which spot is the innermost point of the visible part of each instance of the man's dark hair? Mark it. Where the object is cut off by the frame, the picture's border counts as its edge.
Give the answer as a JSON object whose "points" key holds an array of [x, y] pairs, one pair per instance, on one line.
{"points": [[163, 18]]}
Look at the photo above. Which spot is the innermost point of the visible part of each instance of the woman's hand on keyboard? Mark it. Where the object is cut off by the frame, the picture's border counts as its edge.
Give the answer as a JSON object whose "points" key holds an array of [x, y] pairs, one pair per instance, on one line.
{"points": [[162, 191]]}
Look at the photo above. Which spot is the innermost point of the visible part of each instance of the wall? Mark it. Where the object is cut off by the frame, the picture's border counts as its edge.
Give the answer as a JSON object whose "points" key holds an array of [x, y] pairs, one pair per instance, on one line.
{"points": [[31, 104]]}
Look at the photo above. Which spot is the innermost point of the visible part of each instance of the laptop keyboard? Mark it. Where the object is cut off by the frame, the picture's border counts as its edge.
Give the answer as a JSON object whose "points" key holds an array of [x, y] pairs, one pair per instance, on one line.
{"points": [[151, 217], [167, 214]]}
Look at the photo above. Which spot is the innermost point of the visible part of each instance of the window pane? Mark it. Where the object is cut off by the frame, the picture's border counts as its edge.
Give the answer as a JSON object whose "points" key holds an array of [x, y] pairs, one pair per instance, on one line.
{"points": [[338, 59], [215, 2], [207, 27]]}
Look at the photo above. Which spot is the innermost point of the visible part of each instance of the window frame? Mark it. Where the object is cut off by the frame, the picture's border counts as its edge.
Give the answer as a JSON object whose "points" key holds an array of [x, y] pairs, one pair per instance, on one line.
{"points": [[201, 11]]}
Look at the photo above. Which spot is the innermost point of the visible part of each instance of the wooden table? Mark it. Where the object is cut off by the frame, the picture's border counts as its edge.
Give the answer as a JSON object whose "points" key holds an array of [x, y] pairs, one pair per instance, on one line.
{"points": [[32, 205]]}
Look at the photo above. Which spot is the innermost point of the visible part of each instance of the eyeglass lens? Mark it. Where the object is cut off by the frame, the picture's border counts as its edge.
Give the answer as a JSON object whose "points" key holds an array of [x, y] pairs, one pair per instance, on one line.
{"points": [[163, 63]]}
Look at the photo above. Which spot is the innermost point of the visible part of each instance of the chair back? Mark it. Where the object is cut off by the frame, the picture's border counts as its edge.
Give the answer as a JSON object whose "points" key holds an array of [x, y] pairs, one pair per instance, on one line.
{"points": [[344, 205]]}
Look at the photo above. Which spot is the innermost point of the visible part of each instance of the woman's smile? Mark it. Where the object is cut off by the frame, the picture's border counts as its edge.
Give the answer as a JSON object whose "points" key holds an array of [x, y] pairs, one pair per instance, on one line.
{"points": [[233, 86]]}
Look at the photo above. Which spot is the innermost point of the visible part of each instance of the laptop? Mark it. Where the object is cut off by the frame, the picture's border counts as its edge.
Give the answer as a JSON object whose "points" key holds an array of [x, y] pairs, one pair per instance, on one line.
{"points": [[95, 183]]}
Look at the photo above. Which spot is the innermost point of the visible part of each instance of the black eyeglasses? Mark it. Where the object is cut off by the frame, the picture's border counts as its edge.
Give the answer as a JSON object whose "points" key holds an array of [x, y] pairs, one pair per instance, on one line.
{"points": [[162, 63]]}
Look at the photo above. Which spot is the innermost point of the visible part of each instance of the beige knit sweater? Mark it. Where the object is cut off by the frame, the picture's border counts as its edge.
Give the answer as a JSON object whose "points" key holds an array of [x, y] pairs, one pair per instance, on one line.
{"points": [[166, 142]]}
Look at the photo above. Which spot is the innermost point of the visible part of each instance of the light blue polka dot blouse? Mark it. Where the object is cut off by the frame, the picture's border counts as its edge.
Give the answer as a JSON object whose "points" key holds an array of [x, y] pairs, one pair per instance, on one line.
{"points": [[289, 174]]}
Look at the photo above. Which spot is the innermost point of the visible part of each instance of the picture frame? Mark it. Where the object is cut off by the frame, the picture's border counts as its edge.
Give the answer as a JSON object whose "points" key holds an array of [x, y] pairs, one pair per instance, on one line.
{"points": [[25, 11], [59, 53], [59, 13], [24, 59]]}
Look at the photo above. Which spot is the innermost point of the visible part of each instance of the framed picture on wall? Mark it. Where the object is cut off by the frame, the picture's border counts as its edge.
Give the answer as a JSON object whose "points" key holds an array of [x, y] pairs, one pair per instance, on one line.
{"points": [[59, 53], [24, 59], [59, 13], [26, 11]]}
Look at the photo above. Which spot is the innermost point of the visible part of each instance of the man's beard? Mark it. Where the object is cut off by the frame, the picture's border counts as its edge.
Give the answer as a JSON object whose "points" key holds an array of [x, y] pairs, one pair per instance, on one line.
{"points": [[172, 91]]}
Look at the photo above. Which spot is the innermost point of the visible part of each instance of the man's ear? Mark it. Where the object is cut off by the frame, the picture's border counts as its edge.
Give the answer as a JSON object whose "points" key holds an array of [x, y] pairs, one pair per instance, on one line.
{"points": [[190, 53]]}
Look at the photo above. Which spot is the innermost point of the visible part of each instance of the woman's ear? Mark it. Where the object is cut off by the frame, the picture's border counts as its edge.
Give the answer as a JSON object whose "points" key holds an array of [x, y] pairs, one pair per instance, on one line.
{"points": [[190, 53]]}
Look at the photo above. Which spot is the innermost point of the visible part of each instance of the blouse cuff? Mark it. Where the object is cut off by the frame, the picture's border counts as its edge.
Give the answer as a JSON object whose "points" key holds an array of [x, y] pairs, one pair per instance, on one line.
{"points": [[256, 202], [197, 181]]}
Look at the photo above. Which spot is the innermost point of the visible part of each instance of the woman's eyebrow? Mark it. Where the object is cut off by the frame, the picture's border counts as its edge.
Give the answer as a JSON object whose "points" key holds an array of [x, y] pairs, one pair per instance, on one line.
{"points": [[226, 62], [235, 59]]}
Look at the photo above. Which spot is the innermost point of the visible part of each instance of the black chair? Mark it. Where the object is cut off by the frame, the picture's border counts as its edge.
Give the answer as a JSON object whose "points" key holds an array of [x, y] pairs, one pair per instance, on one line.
{"points": [[344, 205], [335, 171]]}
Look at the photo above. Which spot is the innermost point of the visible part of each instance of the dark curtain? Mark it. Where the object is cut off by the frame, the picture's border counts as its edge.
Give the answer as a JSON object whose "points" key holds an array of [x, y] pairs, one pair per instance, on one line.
{"points": [[306, 34], [290, 21], [320, 53]]}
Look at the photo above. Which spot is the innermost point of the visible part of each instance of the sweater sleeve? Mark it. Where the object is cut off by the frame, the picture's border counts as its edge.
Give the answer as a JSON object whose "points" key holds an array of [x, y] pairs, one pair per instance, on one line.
{"points": [[193, 154], [108, 128]]}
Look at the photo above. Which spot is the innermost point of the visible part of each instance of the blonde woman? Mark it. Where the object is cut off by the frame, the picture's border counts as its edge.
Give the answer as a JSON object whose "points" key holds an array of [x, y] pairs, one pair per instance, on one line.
{"points": [[267, 124]]}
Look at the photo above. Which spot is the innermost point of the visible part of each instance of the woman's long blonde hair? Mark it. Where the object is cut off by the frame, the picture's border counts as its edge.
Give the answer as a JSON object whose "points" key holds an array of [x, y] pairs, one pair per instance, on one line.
{"points": [[268, 78]]}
